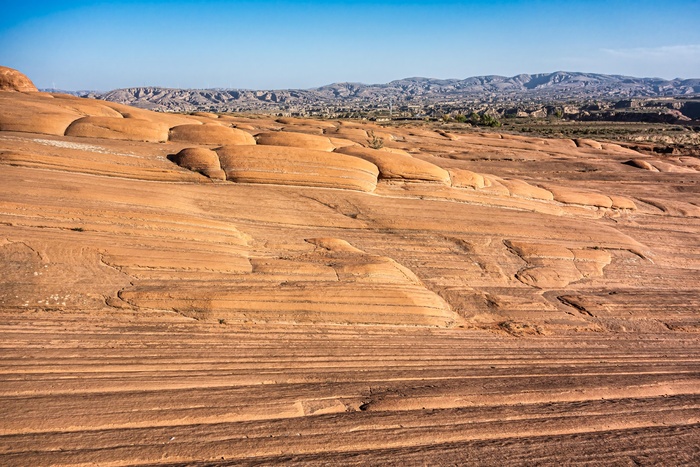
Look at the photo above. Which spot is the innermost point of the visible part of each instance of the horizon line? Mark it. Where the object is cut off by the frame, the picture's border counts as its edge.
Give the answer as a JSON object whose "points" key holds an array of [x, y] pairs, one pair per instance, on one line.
{"points": [[219, 88]]}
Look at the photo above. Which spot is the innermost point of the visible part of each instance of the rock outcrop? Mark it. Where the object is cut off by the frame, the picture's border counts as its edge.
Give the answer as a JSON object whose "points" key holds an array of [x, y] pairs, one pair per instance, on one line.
{"points": [[174, 293], [202, 160], [462, 178], [555, 266], [296, 166], [398, 166], [210, 133], [295, 140], [13, 80], [552, 200], [129, 129]]}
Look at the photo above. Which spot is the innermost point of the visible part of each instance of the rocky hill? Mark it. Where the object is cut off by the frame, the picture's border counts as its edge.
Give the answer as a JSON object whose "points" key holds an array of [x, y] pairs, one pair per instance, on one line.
{"points": [[420, 92]]}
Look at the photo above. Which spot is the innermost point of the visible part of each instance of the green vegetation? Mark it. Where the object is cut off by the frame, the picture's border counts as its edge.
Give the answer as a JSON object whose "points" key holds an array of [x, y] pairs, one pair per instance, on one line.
{"points": [[374, 141], [484, 120]]}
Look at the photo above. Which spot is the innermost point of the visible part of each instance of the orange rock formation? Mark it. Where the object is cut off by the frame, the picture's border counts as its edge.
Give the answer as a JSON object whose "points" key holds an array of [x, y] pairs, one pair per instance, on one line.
{"points": [[184, 289], [13, 80]]}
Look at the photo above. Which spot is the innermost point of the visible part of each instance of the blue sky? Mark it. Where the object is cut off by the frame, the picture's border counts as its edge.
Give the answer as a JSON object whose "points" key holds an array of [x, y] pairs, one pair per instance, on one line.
{"points": [[284, 44]]}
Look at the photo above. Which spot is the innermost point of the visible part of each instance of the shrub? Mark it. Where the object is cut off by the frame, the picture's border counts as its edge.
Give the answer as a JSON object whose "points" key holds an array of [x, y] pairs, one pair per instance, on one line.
{"points": [[484, 120], [374, 141], [488, 120]]}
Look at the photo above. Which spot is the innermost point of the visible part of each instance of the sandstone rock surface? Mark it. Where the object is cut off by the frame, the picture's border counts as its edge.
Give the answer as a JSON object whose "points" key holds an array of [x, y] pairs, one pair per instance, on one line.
{"points": [[34, 114], [13, 80], [462, 178], [296, 140], [298, 311], [398, 166], [296, 166], [211, 134], [130, 129], [202, 160], [582, 197], [525, 190]]}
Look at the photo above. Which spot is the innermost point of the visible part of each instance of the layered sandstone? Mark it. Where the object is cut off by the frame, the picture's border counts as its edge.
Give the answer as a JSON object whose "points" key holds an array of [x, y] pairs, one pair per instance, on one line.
{"points": [[176, 292], [295, 140], [296, 166], [398, 166], [13, 80], [210, 133]]}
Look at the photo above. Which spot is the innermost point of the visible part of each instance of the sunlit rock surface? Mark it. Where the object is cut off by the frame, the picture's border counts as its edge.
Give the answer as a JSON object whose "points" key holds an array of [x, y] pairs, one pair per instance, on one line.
{"points": [[184, 289]]}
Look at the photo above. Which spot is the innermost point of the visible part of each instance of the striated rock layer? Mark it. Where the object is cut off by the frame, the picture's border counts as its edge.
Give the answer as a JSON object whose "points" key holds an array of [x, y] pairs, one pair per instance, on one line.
{"points": [[209, 289]]}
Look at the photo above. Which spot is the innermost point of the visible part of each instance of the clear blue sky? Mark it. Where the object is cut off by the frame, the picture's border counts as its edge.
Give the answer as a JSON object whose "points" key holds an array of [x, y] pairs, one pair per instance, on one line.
{"points": [[284, 44]]}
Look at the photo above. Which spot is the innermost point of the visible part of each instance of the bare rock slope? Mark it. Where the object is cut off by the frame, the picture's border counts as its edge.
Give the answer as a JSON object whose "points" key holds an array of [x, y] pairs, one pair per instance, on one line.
{"points": [[186, 289], [13, 80]]}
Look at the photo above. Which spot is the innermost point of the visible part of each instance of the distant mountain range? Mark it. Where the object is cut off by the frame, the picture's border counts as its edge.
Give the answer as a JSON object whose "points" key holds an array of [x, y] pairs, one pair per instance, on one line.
{"points": [[420, 92]]}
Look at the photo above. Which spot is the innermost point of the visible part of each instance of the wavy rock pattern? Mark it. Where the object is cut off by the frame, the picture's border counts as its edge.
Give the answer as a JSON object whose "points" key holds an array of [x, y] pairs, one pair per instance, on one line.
{"points": [[295, 140], [296, 166], [210, 134], [202, 160], [554, 266], [131, 129], [335, 282], [398, 166], [174, 294]]}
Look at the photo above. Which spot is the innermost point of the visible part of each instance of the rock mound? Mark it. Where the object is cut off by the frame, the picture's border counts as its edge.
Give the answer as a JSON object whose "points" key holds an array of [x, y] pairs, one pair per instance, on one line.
{"points": [[130, 129], [210, 133], [398, 166], [202, 160], [667, 167], [621, 202], [462, 178], [554, 266], [588, 143], [85, 107], [577, 196], [525, 190], [13, 80], [34, 113], [358, 135], [641, 164], [295, 140], [297, 166]]}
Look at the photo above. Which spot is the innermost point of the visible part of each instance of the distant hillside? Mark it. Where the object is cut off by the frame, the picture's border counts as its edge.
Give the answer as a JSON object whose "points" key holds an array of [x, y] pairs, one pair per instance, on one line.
{"points": [[551, 87]]}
